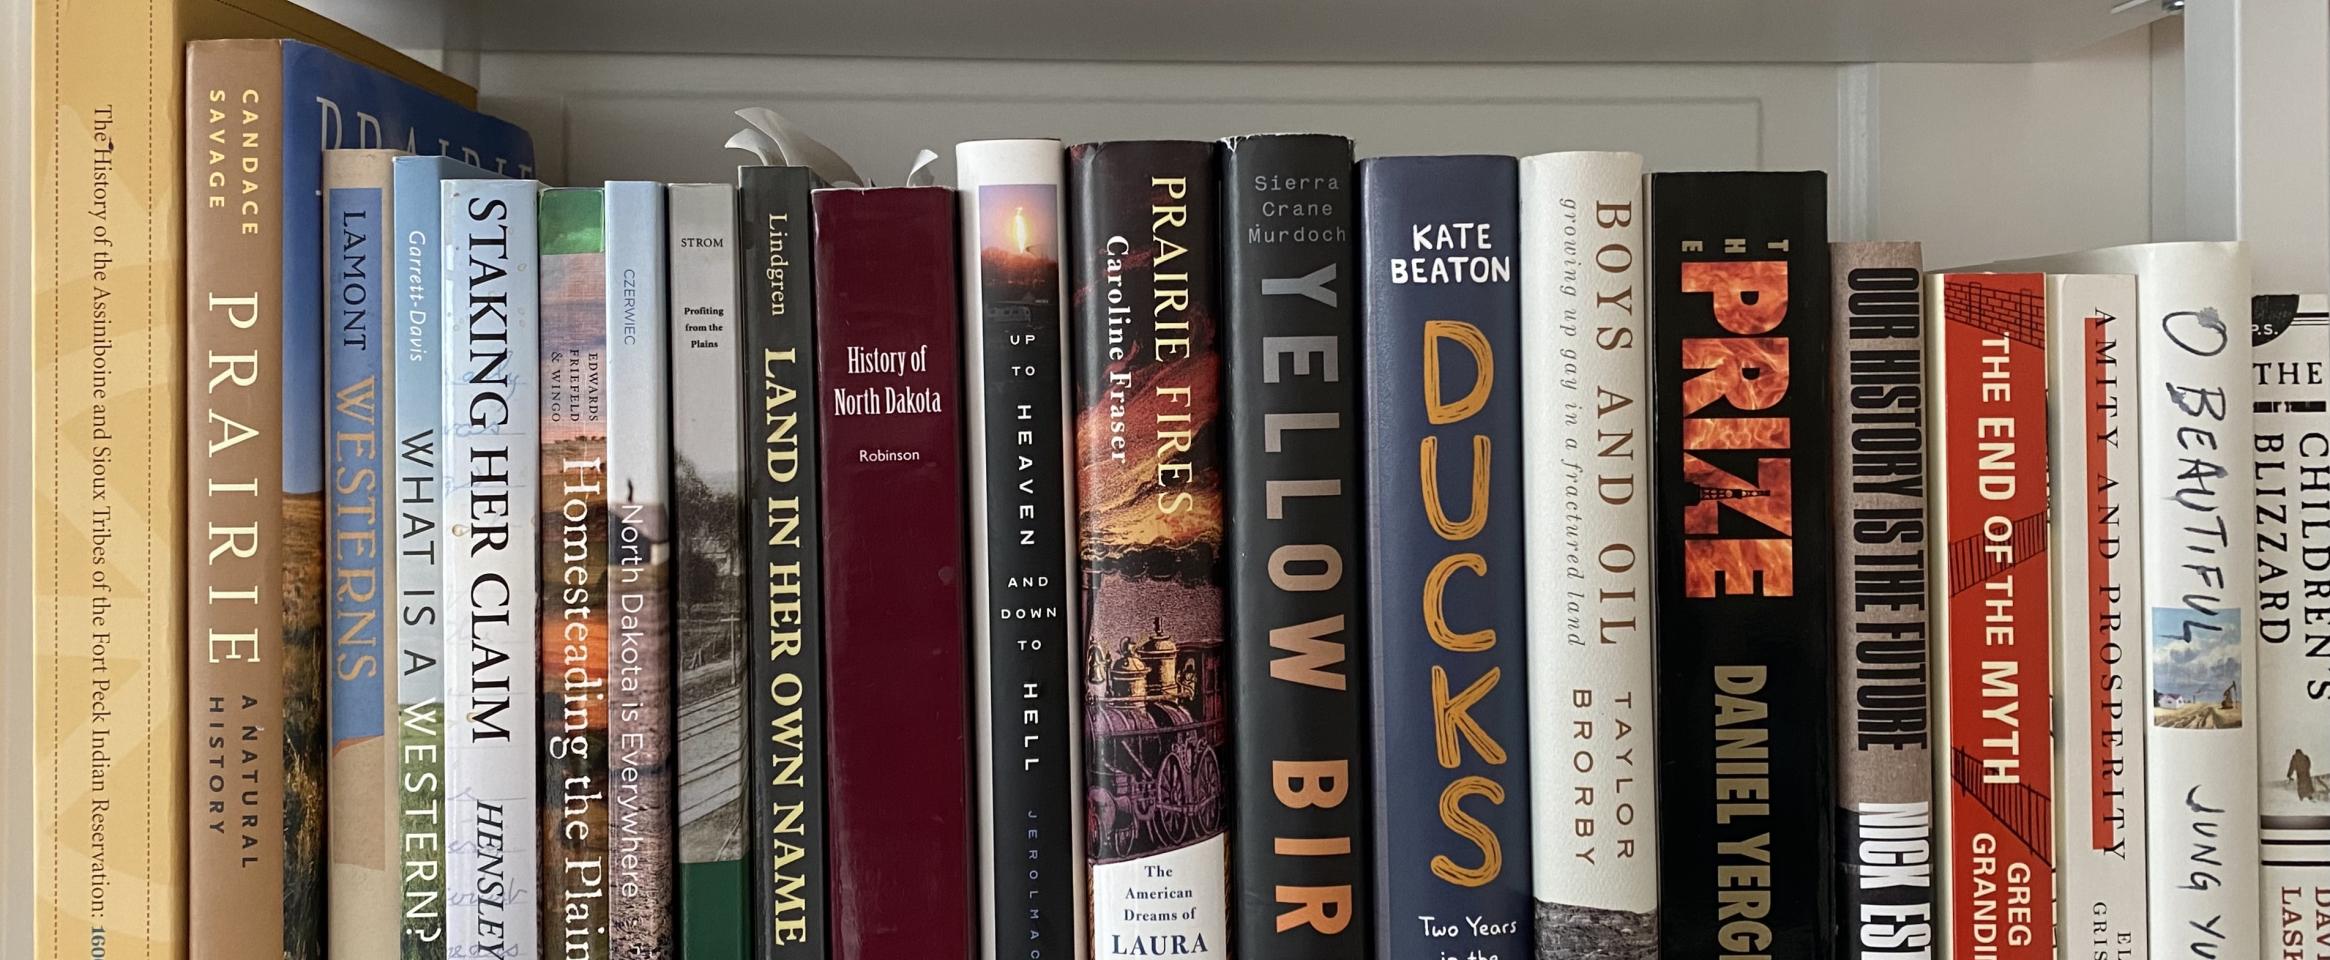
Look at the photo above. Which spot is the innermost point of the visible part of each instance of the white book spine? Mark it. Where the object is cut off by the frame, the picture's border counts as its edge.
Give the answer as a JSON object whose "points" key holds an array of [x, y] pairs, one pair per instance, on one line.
{"points": [[2200, 595], [2100, 713], [640, 845], [706, 465], [491, 477], [2292, 412], [1585, 380], [1026, 728]]}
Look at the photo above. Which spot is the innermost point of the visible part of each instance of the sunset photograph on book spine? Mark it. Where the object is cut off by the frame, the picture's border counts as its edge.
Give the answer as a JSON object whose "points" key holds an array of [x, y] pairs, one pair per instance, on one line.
{"points": [[1739, 298], [573, 814]]}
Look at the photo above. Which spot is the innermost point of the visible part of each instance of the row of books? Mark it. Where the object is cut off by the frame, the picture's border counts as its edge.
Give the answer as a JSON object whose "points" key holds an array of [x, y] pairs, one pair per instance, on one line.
{"points": [[1184, 549]]}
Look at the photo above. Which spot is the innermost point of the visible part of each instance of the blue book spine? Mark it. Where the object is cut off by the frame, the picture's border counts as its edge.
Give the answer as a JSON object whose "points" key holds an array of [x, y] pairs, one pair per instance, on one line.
{"points": [[641, 781], [417, 384], [1440, 327], [362, 832]]}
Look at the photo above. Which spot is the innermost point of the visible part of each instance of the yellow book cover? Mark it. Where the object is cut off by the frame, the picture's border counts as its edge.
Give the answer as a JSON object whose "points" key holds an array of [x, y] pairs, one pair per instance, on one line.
{"points": [[92, 646]]}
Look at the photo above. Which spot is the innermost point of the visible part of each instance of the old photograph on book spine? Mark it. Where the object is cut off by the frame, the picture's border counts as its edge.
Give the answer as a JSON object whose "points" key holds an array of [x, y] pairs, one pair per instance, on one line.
{"points": [[639, 674], [1996, 751], [1023, 667], [575, 787], [2292, 411], [2099, 709], [491, 476], [707, 570], [1295, 560], [1149, 484], [363, 831], [1884, 741], [1739, 294], [1585, 401]]}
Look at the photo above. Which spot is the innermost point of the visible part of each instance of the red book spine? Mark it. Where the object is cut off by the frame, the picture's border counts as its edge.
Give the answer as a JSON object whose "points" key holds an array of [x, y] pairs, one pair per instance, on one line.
{"points": [[1991, 364], [896, 626]]}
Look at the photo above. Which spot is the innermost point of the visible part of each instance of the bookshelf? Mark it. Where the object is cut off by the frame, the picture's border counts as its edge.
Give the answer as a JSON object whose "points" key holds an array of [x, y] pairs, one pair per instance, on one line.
{"points": [[1985, 128]]}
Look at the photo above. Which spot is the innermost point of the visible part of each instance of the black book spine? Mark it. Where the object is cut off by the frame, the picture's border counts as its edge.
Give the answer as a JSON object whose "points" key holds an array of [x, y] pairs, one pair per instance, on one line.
{"points": [[1013, 223], [1441, 328], [1740, 323], [1149, 478], [782, 582], [1298, 853]]}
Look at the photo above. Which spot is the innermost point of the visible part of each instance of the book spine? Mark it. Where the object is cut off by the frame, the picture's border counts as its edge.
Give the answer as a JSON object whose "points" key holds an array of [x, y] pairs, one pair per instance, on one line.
{"points": [[1440, 332], [784, 565], [416, 346], [1024, 690], [2099, 795], [574, 760], [896, 666], [1990, 440], [1149, 481], [1739, 299], [1884, 739], [363, 828], [639, 656], [251, 587], [2291, 340], [492, 430], [2197, 467], [707, 521], [102, 412], [1294, 554], [1593, 764]]}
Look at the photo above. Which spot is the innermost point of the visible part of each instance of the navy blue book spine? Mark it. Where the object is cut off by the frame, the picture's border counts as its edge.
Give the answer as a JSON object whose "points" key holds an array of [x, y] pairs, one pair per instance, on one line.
{"points": [[1440, 331]]}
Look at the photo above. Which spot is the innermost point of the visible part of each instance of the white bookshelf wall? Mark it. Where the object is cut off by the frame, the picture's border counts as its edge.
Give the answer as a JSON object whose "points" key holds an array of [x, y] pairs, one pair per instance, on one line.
{"points": [[1986, 128]]}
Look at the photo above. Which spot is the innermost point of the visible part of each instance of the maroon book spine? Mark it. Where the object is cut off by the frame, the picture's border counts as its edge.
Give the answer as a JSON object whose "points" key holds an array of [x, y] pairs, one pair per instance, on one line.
{"points": [[896, 618]]}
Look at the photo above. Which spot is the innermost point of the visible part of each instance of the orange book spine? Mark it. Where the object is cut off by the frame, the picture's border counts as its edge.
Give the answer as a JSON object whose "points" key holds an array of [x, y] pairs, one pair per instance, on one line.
{"points": [[1997, 758]]}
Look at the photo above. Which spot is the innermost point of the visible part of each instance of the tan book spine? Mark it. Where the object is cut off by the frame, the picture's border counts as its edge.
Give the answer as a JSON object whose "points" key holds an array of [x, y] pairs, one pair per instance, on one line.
{"points": [[93, 651], [240, 589], [363, 828]]}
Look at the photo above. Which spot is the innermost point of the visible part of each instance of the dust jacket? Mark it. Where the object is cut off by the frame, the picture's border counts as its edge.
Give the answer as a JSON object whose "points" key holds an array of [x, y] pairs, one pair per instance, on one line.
{"points": [[1299, 858], [1447, 668], [1739, 322], [784, 580], [1884, 654], [1149, 482], [1994, 757], [1024, 694], [1586, 513]]}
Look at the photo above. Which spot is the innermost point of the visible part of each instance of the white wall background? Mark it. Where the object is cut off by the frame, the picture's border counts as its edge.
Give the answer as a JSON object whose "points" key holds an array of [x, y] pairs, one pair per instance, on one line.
{"points": [[1979, 161]]}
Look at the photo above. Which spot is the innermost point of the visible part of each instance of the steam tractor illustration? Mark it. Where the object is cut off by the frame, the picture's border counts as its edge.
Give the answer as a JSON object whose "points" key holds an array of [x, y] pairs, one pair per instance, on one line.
{"points": [[1157, 733]]}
